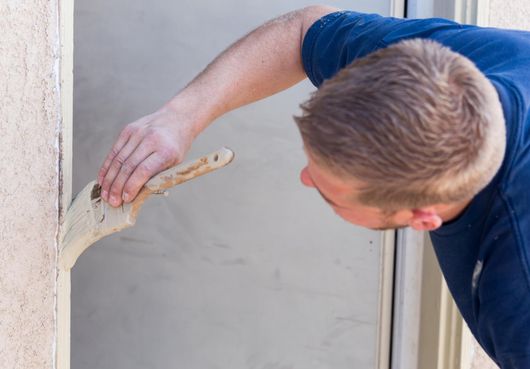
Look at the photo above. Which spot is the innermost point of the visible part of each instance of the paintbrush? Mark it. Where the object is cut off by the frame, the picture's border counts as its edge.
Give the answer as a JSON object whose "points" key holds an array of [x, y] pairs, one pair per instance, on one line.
{"points": [[89, 218]]}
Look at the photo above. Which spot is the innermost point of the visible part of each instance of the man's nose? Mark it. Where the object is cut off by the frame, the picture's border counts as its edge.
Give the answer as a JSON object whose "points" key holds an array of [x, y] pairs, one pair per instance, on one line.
{"points": [[305, 178]]}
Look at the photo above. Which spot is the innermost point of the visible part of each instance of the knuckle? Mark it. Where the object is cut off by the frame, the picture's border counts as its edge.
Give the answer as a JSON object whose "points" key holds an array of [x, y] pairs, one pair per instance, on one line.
{"points": [[129, 129], [127, 168], [151, 141], [169, 154], [126, 131], [113, 153], [115, 166], [119, 159], [151, 132]]}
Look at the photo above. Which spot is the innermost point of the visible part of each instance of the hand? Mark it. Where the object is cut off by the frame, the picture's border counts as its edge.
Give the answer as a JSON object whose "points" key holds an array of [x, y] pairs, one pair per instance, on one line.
{"points": [[144, 148]]}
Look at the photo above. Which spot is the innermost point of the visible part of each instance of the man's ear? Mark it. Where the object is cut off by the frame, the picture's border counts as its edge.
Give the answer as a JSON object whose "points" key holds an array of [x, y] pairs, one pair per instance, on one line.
{"points": [[425, 219]]}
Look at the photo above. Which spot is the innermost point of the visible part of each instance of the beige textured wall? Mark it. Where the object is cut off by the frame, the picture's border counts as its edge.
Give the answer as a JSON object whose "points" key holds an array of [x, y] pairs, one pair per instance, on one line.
{"points": [[510, 14], [29, 159], [514, 14]]}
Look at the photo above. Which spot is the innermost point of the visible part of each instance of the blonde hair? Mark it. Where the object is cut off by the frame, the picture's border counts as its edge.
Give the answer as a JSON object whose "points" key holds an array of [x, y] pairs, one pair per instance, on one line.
{"points": [[415, 122]]}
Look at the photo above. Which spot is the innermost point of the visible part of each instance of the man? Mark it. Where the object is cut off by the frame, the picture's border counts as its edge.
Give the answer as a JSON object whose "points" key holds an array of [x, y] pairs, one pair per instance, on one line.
{"points": [[415, 123]]}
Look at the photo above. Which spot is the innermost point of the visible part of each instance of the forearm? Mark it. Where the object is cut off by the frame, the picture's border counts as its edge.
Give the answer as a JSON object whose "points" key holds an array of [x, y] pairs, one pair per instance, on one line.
{"points": [[262, 63]]}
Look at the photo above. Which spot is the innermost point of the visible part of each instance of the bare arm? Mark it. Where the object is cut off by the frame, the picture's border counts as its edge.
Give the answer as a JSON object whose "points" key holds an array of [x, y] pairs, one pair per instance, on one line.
{"points": [[262, 63]]}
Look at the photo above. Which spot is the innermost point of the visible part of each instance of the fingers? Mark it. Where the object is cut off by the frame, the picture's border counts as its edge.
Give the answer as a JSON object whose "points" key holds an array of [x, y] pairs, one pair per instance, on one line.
{"points": [[116, 148], [128, 167], [145, 154], [152, 165], [118, 162], [143, 149]]}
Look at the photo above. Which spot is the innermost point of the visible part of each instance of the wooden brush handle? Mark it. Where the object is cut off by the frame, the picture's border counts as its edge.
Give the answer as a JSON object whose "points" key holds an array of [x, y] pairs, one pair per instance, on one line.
{"points": [[184, 172], [89, 219]]}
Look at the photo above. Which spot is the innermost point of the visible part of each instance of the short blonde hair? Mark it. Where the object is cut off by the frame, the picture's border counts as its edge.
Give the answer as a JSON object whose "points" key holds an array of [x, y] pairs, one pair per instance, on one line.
{"points": [[415, 122]]}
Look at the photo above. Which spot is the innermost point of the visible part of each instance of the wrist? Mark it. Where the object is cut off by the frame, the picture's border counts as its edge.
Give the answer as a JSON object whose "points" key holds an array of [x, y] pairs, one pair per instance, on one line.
{"points": [[192, 111]]}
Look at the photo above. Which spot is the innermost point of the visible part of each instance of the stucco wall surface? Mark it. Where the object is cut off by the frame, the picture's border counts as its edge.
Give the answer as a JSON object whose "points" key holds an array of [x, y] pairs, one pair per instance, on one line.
{"points": [[29, 188], [510, 14]]}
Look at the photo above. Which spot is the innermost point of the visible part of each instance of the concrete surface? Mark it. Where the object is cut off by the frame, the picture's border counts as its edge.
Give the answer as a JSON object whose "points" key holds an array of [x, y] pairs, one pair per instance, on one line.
{"points": [[29, 126], [243, 268]]}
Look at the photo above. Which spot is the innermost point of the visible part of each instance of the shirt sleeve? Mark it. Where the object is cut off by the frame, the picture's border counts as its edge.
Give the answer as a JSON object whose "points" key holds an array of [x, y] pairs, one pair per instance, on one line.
{"points": [[339, 38]]}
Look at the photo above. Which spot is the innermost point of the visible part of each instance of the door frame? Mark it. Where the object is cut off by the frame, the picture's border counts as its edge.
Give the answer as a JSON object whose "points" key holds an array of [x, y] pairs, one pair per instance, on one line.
{"points": [[63, 304]]}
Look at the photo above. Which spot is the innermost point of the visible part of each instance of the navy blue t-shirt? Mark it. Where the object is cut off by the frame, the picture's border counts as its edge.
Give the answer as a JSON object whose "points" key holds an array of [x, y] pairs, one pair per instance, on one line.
{"points": [[484, 253]]}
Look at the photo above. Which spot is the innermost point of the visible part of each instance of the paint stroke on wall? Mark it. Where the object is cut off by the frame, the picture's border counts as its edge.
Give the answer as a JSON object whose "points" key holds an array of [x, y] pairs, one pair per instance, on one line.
{"points": [[29, 160]]}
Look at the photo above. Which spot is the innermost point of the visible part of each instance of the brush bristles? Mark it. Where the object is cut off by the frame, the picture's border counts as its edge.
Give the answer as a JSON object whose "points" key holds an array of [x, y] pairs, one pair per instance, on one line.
{"points": [[88, 220]]}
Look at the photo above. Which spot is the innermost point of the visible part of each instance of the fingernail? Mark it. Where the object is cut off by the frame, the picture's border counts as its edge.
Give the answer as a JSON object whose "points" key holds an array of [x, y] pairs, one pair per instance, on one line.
{"points": [[105, 195], [125, 197], [114, 201]]}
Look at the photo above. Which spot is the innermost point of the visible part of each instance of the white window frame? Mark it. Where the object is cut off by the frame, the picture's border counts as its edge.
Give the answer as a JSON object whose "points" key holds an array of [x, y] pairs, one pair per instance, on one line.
{"points": [[63, 315]]}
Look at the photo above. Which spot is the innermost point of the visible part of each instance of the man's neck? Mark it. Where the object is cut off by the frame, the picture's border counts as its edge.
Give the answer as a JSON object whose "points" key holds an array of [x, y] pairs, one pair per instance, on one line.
{"points": [[453, 211]]}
